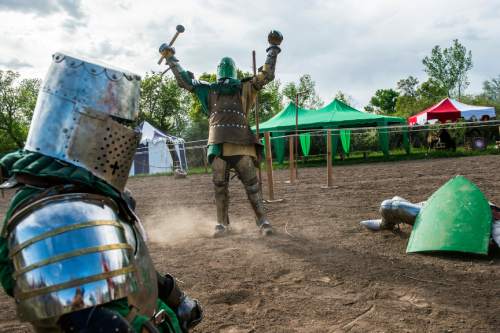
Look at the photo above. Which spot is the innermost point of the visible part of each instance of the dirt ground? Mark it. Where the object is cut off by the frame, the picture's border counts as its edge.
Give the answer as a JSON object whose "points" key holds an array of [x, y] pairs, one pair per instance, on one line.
{"points": [[321, 271]]}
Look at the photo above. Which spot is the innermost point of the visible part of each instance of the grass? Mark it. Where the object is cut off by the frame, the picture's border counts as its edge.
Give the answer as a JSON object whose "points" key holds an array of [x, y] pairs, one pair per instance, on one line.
{"points": [[358, 158]]}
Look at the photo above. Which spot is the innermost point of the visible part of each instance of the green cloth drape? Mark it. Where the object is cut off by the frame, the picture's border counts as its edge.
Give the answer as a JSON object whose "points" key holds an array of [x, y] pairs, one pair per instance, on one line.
{"points": [[383, 139], [345, 139], [406, 141], [264, 152], [305, 143], [279, 147]]}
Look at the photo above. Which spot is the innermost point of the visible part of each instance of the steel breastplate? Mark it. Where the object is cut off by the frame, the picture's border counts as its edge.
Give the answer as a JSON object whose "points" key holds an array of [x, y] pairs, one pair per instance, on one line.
{"points": [[74, 251], [228, 121]]}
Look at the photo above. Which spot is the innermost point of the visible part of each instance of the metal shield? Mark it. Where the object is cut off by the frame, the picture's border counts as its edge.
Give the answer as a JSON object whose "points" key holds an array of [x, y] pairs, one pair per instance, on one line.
{"points": [[456, 217]]}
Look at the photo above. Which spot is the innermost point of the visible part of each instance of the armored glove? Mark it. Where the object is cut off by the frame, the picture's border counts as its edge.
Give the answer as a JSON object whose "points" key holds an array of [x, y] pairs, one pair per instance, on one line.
{"points": [[167, 51], [188, 310], [189, 313]]}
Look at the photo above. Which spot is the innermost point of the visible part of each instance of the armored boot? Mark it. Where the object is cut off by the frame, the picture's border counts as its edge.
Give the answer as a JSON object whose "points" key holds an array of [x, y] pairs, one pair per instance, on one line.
{"points": [[246, 172], [222, 204], [255, 197], [221, 182]]}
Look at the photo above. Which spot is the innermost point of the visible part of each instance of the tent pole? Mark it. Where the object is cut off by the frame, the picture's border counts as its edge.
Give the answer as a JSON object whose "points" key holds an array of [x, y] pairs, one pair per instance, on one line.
{"points": [[291, 154], [269, 165], [257, 133], [296, 138], [329, 170], [185, 156]]}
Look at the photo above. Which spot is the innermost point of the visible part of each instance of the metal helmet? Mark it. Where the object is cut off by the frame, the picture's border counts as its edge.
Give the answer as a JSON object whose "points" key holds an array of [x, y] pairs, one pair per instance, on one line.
{"points": [[84, 116], [226, 69]]}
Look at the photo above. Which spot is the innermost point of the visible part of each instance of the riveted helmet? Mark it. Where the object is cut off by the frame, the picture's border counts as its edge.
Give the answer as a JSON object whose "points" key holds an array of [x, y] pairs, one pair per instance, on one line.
{"points": [[85, 115], [226, 69]]}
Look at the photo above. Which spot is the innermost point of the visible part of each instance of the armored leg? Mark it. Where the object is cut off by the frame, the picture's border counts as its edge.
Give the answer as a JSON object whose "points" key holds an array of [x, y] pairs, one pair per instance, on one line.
{"points": [[221, 181], [398, 210], [246, 172], [393, 212]]}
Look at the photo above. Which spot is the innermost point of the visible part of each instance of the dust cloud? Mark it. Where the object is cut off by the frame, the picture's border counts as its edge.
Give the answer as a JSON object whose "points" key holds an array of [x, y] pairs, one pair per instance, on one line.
{"points": [[178, 224]]}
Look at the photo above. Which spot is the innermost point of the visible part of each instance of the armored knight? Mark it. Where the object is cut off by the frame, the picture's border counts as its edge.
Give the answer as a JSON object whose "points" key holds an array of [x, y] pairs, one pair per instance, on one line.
{"points": [[232, 145], [72, 250]]}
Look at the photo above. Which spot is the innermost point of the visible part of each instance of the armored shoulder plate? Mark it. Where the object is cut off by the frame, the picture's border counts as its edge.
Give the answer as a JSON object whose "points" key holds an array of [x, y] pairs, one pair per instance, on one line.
{"points": [[73, 251]]}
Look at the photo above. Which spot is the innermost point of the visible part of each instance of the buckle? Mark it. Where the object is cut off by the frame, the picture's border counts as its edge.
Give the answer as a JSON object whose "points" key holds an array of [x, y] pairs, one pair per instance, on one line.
{"points": [[159, 317]]}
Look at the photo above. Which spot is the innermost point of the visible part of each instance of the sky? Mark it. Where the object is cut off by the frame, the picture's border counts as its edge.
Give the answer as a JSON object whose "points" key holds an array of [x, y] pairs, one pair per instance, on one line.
{"points": [[349, 45]]}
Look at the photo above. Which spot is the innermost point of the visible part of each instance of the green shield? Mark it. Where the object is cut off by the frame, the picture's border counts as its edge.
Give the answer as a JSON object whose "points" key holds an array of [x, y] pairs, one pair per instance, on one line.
{"points": [[456, 217]]}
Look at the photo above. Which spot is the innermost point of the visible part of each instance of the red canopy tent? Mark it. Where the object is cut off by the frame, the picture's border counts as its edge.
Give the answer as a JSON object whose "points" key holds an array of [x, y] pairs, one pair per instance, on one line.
{"points": [[451, 110]]}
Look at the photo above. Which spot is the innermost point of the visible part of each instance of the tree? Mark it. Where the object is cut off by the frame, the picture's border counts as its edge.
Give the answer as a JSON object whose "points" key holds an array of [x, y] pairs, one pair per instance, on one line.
{"points": [[270, 102], [307, 88], [491, 89], [431, 92], [198, 122], [410, 103], [449, 67], [344, 98], [17, 102], [384, 101], [163, 103], [408, 86]]}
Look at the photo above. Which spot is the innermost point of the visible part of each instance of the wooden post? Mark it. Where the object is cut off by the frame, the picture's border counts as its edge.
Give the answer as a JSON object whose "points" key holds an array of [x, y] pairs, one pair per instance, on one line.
{"points": [[329, 170], [292, 158], [269, 165]]}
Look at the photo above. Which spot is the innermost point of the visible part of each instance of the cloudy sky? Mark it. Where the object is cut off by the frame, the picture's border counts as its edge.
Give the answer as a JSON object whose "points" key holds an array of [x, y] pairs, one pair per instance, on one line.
{"points": [[350, 45]]}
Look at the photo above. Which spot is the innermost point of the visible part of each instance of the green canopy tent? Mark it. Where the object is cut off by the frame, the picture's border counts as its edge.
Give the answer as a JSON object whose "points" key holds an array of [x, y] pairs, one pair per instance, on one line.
{"points": [[336, 115]]}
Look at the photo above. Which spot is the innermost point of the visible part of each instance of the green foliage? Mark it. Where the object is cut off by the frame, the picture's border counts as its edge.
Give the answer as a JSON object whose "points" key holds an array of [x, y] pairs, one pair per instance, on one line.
{"points": [[365, 141], [414, 98], [448, 67], [308, 97], [384, 101], [17, 102], [344, 98], [198, 123], [407, 106], [490, 95], [408, 86], [431, 91], [270, 101], [163, 103]]}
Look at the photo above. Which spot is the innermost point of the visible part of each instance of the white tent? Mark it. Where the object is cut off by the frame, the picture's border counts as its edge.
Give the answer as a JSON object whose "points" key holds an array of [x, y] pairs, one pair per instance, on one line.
{"points": [[154, 154]]}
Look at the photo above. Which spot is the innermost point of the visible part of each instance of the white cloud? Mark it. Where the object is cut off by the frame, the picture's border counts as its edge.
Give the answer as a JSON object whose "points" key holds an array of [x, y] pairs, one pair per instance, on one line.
{"points": [[350, 45]]}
